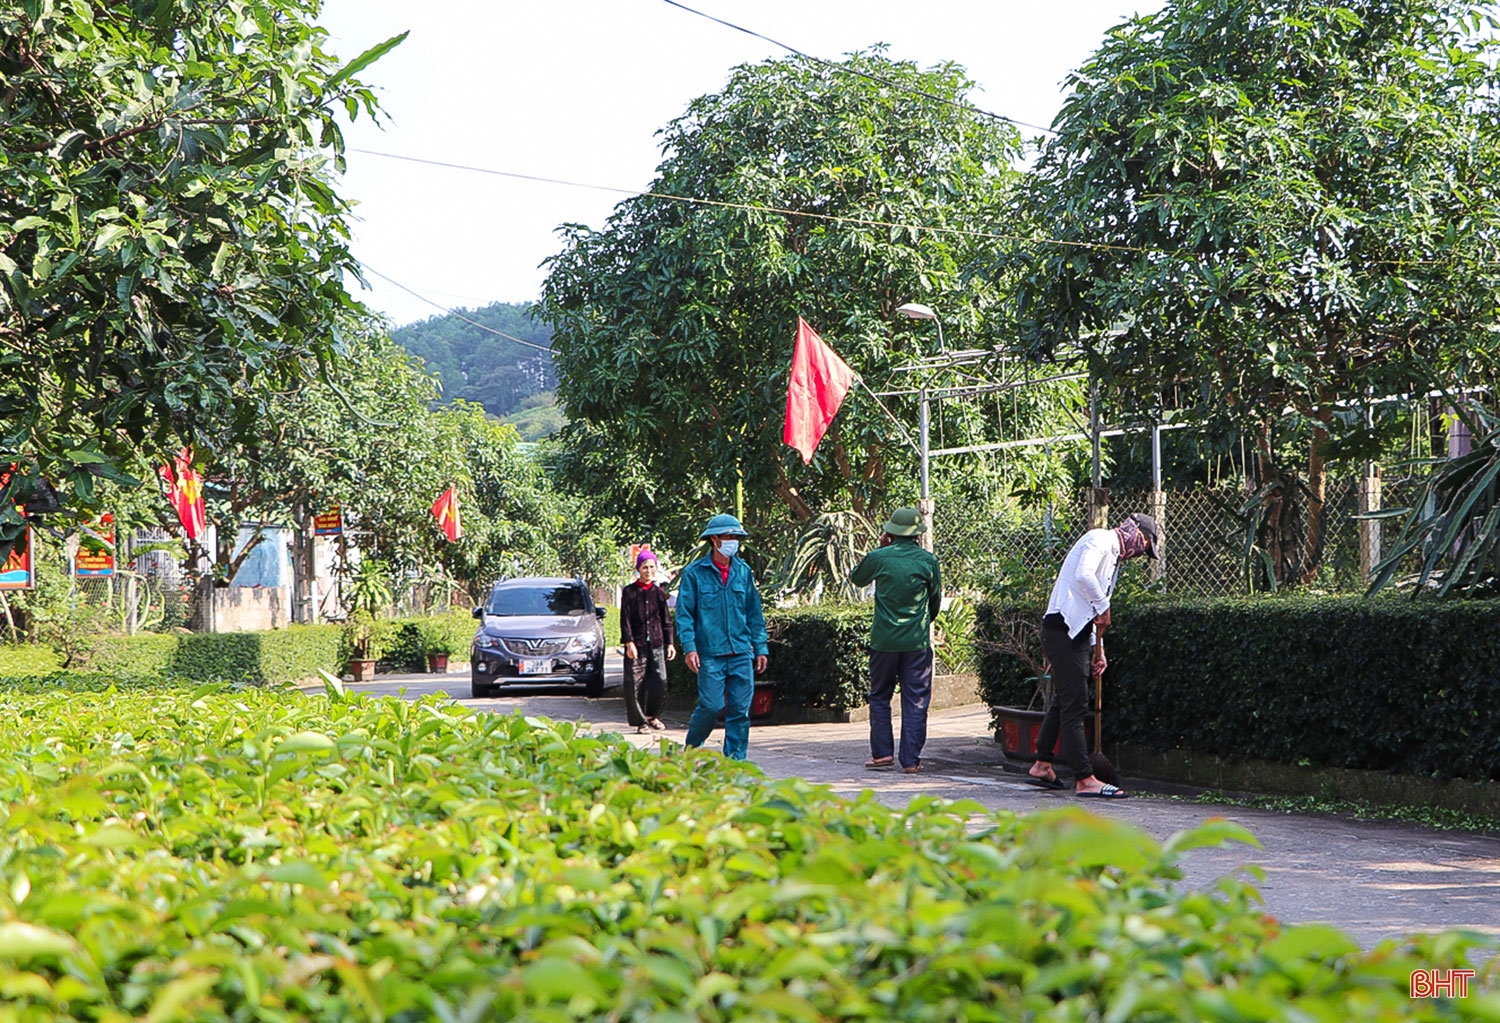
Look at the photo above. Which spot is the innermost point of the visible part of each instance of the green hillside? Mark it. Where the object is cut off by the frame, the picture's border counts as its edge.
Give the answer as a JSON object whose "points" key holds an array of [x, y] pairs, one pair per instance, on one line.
{"points": [[481, 366]]}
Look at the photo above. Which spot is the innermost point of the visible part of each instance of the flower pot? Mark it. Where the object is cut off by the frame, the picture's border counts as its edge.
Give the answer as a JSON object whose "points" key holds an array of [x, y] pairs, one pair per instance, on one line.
{"points": [[1017, 729], [437, 663], [362, 670]]}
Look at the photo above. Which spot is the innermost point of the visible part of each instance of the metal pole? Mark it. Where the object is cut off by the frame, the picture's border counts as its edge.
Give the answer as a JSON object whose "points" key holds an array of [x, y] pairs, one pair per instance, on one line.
{"points": [[1156, 456], [941, 347], [925, 505]]}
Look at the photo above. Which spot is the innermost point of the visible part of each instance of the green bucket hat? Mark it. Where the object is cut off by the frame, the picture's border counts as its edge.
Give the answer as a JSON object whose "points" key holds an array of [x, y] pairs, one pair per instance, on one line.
{"points": [[721, 524], [905, 522]]}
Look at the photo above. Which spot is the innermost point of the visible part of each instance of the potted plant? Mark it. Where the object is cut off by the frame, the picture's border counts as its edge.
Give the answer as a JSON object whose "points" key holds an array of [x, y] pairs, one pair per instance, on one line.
{"points": [[438, 647], [359, 631], [369, 593]]}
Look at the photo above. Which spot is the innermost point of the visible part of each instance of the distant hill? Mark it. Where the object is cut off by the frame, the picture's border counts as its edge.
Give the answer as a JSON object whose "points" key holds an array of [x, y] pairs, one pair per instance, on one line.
{"points": [[479, 366]]}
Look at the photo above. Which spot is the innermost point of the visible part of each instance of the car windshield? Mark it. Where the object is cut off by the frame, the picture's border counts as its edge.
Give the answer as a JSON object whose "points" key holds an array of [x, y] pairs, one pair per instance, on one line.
{"points": [[536, 600]]}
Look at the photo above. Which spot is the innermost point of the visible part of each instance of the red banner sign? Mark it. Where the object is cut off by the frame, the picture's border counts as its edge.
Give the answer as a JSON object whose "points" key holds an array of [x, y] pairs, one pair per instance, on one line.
{"points": [[96, 557], [19, 573], [330, 523]]}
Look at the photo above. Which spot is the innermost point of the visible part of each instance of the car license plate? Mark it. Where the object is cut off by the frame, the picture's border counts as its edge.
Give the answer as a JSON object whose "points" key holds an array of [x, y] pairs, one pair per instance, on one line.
{"points": [[536, 667]]}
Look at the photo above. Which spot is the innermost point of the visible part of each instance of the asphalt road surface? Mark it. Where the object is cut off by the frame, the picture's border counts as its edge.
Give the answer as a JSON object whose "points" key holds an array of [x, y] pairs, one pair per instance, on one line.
{"points": [[1374, 880]]}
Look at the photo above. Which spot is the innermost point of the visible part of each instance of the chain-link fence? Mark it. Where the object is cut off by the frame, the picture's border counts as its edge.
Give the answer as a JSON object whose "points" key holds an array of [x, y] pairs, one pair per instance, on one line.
{"points": [[1217, 542]]}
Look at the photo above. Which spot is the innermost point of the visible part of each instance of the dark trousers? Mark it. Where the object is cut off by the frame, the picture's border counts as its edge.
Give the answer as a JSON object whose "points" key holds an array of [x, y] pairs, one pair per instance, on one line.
{"points": [[912, 669], [1069, 702], [645, 683]]}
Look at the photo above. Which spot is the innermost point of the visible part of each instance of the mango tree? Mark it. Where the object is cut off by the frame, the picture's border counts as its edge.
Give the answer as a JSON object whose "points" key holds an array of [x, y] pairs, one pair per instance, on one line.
{"points": [[1259, 213], [171, 245]]}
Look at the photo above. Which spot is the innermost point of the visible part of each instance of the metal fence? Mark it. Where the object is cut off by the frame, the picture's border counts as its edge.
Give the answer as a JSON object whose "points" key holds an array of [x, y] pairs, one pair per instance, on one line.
{"points": [[1205, 554]]}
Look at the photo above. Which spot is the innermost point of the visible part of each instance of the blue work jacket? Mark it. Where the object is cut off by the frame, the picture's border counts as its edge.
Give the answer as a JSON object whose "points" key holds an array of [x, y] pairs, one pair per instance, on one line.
{"points": [[718, 618]]}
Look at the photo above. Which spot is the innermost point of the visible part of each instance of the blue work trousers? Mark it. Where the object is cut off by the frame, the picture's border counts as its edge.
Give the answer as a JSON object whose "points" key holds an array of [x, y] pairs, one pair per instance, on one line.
{"points": [[724, 683], [912, 669]]}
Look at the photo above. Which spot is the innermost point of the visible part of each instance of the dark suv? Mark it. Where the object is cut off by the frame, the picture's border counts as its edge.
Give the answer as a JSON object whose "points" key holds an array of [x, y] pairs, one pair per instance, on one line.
{"points": [[538, 631]]}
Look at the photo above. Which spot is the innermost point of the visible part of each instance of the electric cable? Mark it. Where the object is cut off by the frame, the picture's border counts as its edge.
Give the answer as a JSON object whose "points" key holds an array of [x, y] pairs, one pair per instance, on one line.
{"points": [[846, 69], [452, 312], [760, 208]]}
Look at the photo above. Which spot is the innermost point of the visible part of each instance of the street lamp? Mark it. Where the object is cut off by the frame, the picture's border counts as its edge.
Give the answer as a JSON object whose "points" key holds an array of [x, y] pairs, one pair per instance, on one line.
{"points": [[918, 311]]}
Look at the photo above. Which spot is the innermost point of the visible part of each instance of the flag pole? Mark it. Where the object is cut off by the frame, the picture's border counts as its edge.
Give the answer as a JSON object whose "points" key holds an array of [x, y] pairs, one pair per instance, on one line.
{"points": [[899, 426]]}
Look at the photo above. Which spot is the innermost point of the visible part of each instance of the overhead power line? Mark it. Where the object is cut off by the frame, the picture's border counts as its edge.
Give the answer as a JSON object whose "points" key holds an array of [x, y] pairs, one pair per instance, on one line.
{"points": [[759, 208], [453, 312], [846, 69]]}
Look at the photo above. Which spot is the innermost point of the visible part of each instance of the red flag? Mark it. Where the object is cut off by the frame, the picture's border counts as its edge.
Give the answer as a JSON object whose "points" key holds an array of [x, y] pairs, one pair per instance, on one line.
{"points": [[185, 492], [445, 510], [820, 379]]}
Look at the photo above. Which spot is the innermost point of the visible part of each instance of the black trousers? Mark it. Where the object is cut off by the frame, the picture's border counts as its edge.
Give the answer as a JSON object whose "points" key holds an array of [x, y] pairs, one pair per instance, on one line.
{"points": [[645, 683], [1069, 702]]}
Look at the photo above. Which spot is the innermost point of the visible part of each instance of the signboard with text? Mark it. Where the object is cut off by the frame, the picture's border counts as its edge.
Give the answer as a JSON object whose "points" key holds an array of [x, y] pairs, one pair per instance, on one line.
{"points": [[330, 523], [19, 573], [96, 554]]}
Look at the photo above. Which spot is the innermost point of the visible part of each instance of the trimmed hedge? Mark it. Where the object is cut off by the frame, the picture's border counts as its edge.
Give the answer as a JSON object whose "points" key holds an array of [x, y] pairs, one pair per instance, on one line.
{"points": [[1411, 686], [291, 654], [820, 657]]}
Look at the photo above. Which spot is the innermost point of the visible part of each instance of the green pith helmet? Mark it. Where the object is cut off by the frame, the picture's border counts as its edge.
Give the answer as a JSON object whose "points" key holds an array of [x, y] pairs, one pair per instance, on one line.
{"points": [[720, 524], [905, 522]]}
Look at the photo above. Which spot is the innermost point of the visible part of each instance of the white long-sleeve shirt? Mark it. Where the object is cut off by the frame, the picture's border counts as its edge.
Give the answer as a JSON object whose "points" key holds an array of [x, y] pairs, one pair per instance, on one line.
{"points": [[1082, 590]]}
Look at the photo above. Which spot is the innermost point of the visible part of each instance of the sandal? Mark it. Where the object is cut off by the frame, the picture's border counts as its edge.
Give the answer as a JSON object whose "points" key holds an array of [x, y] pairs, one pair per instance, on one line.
{"points": [[1108, 792], [876, 763], [1053, 782], [656, 725], [913, 769]]}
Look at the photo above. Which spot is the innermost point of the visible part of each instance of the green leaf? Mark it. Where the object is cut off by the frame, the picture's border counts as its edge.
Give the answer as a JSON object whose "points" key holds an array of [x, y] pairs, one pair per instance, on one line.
{"points": [[363, 61]]}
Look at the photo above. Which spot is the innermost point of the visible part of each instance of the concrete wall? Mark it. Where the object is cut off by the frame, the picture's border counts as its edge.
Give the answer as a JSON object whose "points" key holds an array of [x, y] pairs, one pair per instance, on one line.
{"points": [[252, 609]]}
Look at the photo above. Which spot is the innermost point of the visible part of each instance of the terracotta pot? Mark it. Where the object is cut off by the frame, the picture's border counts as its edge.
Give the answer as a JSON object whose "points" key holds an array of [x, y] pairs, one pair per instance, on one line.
{"points": [[437, 663], [362, 670], [1017, 729]]}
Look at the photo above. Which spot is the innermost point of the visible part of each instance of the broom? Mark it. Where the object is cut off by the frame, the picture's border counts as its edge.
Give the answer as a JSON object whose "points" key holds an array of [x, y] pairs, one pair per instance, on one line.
{"points": [[1103, 769]]}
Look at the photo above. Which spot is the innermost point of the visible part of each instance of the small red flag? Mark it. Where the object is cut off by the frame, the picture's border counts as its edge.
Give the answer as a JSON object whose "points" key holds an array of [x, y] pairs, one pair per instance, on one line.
{"points": [[445, 510], [819, 381], [185, 493]]}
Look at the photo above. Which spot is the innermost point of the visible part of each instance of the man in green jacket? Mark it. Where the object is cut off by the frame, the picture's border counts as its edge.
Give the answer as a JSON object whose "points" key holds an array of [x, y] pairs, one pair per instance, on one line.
{"points": [[908, 596]]}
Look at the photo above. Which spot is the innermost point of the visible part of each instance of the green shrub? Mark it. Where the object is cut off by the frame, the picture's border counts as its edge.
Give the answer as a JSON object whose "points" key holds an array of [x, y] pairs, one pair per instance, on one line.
{"points": [[245, 854], [412, 639], [141, 655], [820, 656], [21, 660], [1386, 684]]}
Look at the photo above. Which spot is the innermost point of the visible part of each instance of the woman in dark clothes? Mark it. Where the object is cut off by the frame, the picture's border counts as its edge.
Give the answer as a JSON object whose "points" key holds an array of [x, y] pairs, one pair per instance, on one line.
{"points": [[646, 631]]}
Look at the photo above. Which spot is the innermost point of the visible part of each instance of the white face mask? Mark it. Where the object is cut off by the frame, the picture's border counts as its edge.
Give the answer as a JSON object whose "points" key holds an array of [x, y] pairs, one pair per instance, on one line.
{"points": [[729, 548]]}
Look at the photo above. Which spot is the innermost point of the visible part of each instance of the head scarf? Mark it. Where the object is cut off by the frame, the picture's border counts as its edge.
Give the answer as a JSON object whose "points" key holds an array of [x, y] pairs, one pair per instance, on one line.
{"points": [[647, 554], [1132, 541]]}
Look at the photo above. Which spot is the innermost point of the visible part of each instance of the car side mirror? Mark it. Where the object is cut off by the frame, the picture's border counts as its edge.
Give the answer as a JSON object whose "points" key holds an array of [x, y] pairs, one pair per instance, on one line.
{"points": [[601, 612], [479, 613]]}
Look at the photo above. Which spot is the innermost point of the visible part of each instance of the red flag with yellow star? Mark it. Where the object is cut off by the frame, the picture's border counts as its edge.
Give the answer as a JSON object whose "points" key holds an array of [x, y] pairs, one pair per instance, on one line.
{"points": [[185, 492], [445, 510]]}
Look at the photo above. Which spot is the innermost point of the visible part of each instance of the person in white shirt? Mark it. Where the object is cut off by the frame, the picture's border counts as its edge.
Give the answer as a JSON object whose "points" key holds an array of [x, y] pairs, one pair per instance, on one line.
{"points": [[1077, 615]]}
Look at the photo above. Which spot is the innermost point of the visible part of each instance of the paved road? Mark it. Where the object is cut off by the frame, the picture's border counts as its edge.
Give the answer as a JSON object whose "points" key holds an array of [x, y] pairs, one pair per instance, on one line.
{"points": [[1372, 879]]}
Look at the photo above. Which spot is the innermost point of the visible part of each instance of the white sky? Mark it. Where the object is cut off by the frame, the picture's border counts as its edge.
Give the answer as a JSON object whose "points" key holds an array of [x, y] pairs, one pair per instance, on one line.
{"points": [[577, 89]]}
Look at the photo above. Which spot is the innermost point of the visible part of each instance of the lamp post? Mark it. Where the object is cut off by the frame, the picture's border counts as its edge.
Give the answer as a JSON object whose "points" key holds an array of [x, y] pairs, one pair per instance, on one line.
{"points": [[918, 311]]}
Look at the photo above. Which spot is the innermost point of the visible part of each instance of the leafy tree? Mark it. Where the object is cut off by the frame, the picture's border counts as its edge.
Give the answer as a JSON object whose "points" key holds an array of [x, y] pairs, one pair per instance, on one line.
{"points": [[819, 193], [479, 366], [1267, 205], [171, 246]]}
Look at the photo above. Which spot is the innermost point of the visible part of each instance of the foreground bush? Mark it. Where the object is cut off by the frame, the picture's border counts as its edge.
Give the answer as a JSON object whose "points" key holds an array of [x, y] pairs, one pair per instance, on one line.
{"points": [[257, 855]]}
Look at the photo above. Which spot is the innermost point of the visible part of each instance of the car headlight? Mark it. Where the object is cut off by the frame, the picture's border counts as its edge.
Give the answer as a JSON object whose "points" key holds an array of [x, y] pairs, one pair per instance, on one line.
{"points": [[582, 644], [487, 642]]}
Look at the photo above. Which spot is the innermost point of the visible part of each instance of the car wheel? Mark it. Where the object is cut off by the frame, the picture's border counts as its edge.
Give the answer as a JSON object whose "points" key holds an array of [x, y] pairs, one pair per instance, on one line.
{"points": [[594, 686], [479, 690]]}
